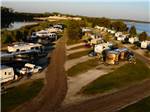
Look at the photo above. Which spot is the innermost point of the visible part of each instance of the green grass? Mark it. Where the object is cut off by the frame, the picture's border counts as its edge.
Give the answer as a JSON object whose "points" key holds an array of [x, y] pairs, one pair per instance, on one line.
{"points": [[78, 54], [20, 94], [141, 106], [82, 67], [122, 77]]}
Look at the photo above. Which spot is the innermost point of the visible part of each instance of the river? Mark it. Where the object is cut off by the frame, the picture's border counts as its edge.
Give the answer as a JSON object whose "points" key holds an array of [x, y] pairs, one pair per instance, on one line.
{"points": [[17, 25], [140, 27]]}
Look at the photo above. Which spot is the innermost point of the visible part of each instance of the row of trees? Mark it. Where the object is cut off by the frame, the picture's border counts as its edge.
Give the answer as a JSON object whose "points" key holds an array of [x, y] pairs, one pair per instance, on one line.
{"points": [[8, 16], [142, 36]]}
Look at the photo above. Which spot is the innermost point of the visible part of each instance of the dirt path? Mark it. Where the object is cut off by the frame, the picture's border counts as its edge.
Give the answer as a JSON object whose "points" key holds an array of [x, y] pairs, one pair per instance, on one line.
{"points": [[55, 88], [76, 83], [112, 102]]}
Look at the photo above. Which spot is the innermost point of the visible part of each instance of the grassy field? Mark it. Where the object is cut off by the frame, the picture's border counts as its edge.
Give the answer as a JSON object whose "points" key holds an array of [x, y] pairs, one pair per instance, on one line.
{"points": [[20, 94], [82, 67], [78, 54], [122, 77], [141, 106]]}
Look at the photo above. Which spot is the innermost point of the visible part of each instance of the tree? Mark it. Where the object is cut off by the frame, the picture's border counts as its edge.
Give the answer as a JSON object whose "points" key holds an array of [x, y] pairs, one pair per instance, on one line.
{"points": [[143, 36], [7, 39], [18, 35], [74, 30], [119, 26], [7, 16], [132, 31]]}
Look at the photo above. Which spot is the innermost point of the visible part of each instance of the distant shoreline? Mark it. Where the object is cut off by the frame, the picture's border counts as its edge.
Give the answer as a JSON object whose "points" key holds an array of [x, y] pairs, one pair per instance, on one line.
{"points": [[128, 20]]}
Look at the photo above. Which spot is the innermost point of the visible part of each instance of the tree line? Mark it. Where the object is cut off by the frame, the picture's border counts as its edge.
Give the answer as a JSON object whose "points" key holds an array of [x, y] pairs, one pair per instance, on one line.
{"points": [[8, 16]]}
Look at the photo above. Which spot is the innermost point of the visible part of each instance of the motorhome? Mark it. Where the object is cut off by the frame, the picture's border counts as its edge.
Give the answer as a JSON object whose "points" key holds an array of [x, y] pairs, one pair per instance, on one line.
{"points": [[42, 33], [16, 47]]}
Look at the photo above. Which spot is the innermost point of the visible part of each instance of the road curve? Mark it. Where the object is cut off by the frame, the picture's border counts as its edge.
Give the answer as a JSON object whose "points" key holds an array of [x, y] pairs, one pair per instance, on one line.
{"points": [[54, 91], [112, 102]]}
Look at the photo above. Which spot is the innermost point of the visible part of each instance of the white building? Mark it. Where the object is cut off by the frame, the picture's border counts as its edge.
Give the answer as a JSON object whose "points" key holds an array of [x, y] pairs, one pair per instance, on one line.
{"points": [[7, 74], [16, 47]]}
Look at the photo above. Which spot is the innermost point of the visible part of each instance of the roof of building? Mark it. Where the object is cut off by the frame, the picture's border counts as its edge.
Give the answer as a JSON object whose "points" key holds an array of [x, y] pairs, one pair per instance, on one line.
{"points": [[4, 67]]}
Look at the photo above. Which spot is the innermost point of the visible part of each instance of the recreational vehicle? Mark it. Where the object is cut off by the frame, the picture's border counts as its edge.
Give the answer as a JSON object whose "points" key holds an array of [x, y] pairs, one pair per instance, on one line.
{"points": [[7, 74]]}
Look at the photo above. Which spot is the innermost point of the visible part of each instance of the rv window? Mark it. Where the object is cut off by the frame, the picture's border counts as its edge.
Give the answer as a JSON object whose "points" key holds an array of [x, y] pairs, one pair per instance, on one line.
{"points": [[9, 73]]}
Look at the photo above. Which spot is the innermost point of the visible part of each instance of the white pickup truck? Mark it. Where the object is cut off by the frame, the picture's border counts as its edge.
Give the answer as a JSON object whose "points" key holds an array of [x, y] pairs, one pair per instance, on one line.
{"points": [[29, 68]]}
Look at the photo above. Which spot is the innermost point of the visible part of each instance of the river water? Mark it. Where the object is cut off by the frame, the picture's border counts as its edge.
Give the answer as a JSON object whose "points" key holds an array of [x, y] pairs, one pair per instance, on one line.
{"points": [[140, 27], [17, 25]]}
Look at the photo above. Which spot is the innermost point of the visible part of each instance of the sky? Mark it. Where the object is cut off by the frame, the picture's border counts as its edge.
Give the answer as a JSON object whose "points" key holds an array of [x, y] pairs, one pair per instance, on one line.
{"points": [[117, 9]]}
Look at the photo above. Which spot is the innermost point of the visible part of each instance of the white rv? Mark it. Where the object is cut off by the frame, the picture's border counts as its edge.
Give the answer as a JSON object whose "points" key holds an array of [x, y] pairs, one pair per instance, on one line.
{"points": [[7, 74], [144, 44], [101, 47], [133, 39], [16, 47]]}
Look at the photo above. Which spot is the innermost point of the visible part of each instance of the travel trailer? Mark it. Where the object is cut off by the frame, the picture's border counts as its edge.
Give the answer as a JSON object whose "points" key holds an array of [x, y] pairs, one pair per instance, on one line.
{"points": [[133, 40], [7, 74], [144, 44]]}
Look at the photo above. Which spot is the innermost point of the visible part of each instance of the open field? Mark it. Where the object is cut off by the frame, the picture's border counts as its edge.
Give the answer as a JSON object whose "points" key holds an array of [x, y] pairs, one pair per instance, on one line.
{"points": [[122, 77], [82, 67], [141, 106], [20, 94], [78, 54]]}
